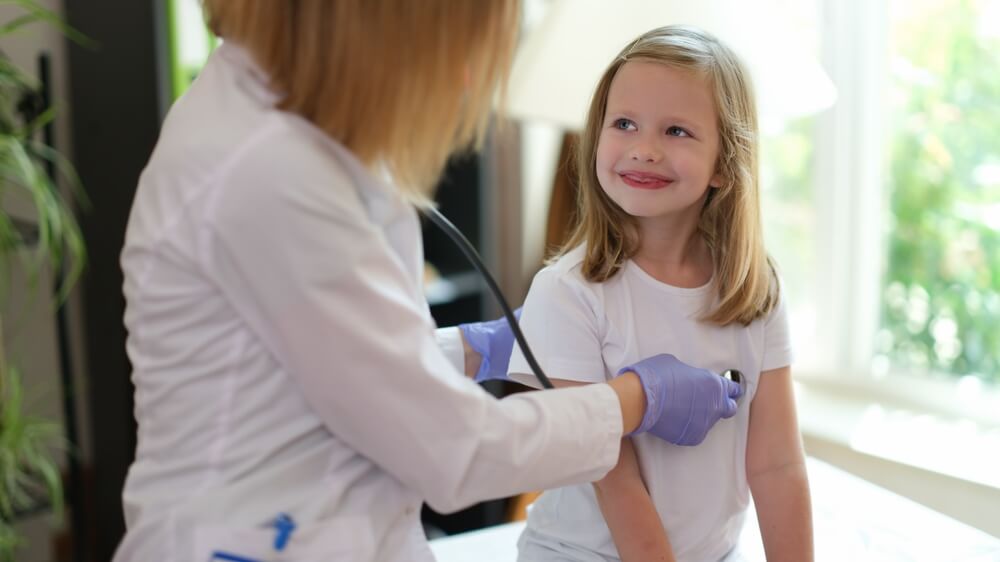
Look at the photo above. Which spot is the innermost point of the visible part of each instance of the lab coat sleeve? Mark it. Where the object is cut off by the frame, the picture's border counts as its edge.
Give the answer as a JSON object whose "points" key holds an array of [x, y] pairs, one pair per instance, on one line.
{"points": [[450, 341], [289, 243]]}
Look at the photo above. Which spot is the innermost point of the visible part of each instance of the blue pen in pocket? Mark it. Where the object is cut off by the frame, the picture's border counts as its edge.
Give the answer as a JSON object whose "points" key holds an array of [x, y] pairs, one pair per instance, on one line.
{"points": [[221, 556], [283, 525]]}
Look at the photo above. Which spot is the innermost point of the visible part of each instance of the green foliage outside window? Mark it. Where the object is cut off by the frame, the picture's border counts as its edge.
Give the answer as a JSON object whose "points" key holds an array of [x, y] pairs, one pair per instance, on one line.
{"points": [[941, 289]]}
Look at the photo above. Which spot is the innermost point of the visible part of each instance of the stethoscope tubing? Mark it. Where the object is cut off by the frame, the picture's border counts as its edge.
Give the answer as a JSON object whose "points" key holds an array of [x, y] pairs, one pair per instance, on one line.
{"points": [[470, 253], [465, 246]]}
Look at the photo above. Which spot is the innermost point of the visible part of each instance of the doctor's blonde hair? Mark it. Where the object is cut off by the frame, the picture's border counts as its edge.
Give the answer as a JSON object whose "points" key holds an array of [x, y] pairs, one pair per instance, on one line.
{"points": [[401, 83], [744, 281]]}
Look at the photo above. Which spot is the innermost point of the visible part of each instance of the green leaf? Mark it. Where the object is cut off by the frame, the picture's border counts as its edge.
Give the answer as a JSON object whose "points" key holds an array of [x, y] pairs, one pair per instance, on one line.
{"points": [[41, 14], [18, 23], [27, 469], [42, 119]]}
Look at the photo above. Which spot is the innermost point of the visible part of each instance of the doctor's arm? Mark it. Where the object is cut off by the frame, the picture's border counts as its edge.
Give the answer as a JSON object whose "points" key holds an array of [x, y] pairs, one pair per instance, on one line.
{"points": [[481, 350], [776, 470], [456, 348]]}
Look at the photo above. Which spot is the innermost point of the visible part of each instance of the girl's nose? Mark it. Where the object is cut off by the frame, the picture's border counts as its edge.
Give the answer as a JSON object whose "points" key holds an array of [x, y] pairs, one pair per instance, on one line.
{"points": [[646, 152]]}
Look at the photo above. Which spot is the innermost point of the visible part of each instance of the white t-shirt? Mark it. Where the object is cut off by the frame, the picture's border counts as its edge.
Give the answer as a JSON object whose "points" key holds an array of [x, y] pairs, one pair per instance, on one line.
{"points": [[583, 331]]}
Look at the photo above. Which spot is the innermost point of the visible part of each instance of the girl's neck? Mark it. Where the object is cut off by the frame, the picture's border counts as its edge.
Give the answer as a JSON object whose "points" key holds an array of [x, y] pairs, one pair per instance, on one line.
{"points": [[675, 256]]}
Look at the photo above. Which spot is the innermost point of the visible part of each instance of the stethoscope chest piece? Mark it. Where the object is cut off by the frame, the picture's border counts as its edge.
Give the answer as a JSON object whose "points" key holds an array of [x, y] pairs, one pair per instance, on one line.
{"points": [[737, 377]]}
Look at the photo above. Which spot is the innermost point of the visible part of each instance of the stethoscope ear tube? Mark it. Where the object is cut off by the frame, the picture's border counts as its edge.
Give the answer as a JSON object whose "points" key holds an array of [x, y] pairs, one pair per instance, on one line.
{"points": [[463, 244]]}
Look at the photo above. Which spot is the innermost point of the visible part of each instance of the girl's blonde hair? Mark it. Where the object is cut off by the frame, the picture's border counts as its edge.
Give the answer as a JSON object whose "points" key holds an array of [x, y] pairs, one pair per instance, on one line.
{"points": [[744, 279], [400, 83]]}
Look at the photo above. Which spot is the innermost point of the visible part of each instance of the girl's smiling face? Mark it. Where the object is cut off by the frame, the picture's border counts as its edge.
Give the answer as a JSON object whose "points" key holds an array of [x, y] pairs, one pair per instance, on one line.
{"points": [[659, 143]]}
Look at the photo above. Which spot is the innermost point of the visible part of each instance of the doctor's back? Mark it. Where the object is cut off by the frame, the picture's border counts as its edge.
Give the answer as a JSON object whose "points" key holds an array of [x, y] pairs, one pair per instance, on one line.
{"points": [[222, 426]]}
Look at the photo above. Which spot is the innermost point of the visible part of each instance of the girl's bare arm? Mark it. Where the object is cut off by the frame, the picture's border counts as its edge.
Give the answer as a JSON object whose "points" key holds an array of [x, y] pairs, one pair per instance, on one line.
{"points": [[627, 508], [629, 511], [776, 470]]}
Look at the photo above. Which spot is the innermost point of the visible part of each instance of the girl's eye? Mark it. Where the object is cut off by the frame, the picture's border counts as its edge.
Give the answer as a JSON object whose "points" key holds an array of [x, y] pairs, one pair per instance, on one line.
{"points": [[624, 124], [677, 132]]}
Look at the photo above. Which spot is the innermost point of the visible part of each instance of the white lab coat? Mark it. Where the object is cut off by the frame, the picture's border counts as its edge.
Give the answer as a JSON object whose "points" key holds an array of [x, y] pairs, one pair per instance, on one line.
{"points": [[285, 359]]}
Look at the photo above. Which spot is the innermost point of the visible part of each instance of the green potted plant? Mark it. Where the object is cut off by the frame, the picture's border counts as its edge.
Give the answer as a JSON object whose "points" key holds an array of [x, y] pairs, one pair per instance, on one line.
{"points": [[29, 446]]}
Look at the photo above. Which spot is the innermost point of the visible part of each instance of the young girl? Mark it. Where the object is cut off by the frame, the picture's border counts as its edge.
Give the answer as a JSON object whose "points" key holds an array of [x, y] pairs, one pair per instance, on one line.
{"points": [[668, 257]]}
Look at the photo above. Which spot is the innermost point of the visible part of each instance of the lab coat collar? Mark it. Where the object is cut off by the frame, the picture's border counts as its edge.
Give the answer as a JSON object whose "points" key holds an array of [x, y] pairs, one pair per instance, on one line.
{"points": [[254, 80], [374, 186]]}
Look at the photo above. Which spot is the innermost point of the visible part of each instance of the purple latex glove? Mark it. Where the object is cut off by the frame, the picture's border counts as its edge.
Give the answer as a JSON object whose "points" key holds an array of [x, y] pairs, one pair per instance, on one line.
{"points": [[682, 402], [493, 341]]}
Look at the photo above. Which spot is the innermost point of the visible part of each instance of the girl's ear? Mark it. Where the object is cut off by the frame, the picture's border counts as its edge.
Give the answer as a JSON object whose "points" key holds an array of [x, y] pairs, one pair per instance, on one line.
{"points": [[717, 181]]}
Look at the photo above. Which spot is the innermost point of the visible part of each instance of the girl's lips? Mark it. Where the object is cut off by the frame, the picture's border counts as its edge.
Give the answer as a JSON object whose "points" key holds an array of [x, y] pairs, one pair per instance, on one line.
{"points": [[642, 180]]}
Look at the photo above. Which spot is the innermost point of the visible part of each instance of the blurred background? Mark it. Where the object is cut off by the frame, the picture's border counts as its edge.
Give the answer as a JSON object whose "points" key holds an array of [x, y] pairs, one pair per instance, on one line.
{"points": [[881, 206]]}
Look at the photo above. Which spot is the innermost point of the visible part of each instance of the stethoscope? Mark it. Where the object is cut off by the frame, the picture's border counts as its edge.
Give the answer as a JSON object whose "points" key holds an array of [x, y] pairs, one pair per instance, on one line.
{"points": [[470, 253]]}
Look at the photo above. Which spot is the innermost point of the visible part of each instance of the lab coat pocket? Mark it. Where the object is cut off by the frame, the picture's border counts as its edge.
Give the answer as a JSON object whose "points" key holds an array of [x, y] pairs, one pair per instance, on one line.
{"points": [[345, 538]]}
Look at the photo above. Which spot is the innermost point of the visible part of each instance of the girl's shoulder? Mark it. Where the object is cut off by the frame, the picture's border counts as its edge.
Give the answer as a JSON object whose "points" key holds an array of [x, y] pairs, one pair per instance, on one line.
{"points": [[567, 268], [560, 290], [568, 262], [565, 273]]}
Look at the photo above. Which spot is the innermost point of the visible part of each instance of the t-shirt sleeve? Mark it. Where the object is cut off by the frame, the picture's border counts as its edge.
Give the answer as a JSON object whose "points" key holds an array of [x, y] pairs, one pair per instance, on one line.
{"points": [[562, 330], [777, 337]]}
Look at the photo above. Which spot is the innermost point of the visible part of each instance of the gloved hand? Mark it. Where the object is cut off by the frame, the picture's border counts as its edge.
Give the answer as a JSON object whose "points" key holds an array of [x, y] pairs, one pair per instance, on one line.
{"points": [[682, 402], [493, 341]]}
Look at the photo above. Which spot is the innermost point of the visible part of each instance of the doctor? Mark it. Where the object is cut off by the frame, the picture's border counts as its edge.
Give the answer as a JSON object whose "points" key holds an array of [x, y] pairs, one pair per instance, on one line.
{"points": [[293, 402]]}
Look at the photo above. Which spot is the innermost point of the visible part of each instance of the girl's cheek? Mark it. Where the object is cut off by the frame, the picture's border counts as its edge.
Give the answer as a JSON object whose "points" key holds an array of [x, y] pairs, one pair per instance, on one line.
{"points": [[606, 147]]}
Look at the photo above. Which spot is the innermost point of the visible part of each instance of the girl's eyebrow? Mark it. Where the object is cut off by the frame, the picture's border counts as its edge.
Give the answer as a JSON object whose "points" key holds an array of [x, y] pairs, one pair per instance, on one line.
{"points": [[620, 112], [684, 123]]}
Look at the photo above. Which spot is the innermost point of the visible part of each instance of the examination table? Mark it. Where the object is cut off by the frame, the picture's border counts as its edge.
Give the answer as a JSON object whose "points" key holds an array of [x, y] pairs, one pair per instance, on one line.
{"points": [[853, 520]]}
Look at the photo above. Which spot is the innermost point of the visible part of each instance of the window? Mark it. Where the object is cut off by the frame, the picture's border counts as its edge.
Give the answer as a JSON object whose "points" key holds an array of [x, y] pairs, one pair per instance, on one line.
{"points": [[941, 291], [884, 210]]}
